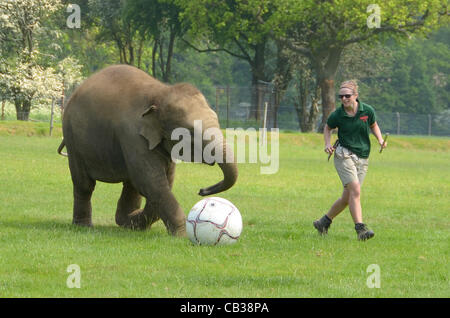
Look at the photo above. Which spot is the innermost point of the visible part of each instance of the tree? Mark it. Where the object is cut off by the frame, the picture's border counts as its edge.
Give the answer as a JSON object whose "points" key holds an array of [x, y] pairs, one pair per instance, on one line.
{"points": [[21, 75], [110, 16], [283, 74], [321, 30], [25, 82], [232, 26], [159, 21], [307, 102], [69, 75], [417, 81]]}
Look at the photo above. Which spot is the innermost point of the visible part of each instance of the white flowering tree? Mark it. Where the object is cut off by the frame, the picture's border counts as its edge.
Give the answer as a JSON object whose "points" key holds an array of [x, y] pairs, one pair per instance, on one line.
{"points": [[22, 79], [69, 73]]}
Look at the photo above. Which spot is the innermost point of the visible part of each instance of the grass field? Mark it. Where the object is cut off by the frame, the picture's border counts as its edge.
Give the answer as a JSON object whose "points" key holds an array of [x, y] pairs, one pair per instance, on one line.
{"points": [[406, 200]]}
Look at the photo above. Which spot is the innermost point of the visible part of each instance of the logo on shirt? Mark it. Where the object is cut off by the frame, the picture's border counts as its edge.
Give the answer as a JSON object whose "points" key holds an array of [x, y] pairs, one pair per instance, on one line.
{"points": [[364, 118]]}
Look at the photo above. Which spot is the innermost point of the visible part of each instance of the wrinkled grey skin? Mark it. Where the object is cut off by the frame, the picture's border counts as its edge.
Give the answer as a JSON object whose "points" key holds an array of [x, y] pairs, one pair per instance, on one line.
{"points": [[117, 128]]}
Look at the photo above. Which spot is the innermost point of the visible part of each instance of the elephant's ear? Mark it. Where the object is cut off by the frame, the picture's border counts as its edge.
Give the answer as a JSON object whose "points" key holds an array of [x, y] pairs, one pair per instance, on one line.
{"points": [[150, 127]]}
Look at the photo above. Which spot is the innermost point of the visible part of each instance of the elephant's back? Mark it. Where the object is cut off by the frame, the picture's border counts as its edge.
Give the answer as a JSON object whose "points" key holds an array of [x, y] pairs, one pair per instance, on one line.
{"points": [[106, 101], [112, 91]]}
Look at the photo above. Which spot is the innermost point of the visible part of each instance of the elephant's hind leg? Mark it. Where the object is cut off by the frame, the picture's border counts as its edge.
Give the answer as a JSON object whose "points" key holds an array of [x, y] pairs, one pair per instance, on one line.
{"points": [[129, 202], [82, 208], [129, 213]]}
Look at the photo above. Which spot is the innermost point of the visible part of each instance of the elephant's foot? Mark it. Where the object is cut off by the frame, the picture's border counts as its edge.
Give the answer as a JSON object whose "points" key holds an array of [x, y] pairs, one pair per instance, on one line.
{"points": [[137, 220], [178, 230], [82, 222]]}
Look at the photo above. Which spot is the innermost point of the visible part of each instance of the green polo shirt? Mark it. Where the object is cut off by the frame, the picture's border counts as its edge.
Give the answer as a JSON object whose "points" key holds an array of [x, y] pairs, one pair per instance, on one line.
{"points": [[354, 131]]}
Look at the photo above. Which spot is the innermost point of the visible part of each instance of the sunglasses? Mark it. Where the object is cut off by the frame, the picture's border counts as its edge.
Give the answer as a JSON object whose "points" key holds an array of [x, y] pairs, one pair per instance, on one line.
{"points": [[346, 96]]}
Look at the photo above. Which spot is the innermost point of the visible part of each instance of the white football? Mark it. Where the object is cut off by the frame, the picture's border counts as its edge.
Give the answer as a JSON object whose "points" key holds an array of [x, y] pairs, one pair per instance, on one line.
{"points": [[214, 221]]}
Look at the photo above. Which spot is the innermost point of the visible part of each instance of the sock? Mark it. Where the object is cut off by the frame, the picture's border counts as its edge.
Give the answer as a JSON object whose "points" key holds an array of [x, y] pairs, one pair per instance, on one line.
{"points": [[326, 220]]}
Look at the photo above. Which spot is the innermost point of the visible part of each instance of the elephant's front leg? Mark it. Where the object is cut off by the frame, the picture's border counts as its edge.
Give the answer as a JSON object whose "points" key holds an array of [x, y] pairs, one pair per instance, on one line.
{"points": [[168, 208], [154, 182], [170, 212], [129, 203], [160, 204]]}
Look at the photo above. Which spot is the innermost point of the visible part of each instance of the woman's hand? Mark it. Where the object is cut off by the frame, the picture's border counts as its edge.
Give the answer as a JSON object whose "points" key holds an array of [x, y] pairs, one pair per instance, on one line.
{"points": [[329, 149]]}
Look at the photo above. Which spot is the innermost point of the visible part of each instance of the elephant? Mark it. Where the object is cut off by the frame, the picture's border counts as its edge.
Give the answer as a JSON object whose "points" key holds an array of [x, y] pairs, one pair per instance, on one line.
{"points": [[117, 128]]}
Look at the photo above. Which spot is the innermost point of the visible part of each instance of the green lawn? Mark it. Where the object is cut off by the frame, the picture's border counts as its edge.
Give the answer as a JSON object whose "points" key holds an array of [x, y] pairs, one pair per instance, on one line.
{"points": [[406, 200]]}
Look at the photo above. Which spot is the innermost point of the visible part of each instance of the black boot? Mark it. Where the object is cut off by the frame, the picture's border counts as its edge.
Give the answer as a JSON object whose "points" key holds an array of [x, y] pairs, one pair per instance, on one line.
{"points": [[322, 224], [363, 232]]}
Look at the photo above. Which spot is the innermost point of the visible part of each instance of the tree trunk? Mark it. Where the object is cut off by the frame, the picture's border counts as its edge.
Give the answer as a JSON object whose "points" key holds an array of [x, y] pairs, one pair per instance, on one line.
{"points": [[139, 53], [326, 64], [276, 106], [257, 99], [129, 44], [283, 76], [258, 76], [63, 94], [314, 110], [154, 54], [308, 89], [131, 52], [170, 49], [301, 106], [3, 109], [328, 99], [23, 108]]}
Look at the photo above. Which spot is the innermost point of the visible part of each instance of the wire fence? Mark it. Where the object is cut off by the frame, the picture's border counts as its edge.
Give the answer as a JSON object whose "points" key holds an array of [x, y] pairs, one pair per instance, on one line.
{"points": [[244, 107], [393, 123]]}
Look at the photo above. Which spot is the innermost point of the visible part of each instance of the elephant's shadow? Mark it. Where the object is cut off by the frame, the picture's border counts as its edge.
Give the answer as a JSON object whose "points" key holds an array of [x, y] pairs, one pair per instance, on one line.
{"points": [[111, 230]]}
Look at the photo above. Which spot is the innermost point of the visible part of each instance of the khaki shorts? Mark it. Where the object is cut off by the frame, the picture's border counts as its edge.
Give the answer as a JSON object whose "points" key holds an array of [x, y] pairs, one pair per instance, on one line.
{"points": [[349, 166]]}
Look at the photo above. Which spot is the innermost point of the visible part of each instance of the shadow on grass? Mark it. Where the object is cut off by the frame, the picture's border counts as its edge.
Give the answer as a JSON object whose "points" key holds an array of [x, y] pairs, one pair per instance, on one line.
{"points": [[61, 226]]}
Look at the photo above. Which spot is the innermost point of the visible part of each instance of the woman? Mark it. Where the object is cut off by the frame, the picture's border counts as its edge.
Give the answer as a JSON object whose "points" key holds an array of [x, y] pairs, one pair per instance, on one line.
{"points": [[354, 121]]}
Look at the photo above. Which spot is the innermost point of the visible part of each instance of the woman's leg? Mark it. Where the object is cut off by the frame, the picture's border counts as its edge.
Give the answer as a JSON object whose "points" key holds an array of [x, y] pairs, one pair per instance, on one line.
{"points": [[354, 201], [339, 205]]}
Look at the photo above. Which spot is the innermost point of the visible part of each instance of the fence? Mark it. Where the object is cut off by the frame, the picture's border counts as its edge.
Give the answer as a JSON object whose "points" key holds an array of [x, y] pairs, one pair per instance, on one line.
{"points": [[244, 107]]}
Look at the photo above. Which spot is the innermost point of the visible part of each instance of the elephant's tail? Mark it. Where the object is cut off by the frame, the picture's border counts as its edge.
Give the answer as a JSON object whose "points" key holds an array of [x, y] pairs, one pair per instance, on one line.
{"points": [[60, 148]]}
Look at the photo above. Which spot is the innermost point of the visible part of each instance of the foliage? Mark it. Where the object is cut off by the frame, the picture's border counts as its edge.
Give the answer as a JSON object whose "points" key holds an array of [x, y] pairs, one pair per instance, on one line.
{"points": [[242, 41], [109, 15], [23, 20], [22, 78], [69, 72], [321, 30], [157, 21], [30, 81], [417, 80], [231, 26]]}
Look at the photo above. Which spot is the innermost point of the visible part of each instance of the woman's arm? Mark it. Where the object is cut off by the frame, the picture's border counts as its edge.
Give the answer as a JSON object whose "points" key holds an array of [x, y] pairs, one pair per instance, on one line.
{"points": [[377, 132], [327, 138]]}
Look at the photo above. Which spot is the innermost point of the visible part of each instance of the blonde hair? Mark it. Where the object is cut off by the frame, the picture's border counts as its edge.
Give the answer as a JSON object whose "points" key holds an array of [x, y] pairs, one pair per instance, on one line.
{"points": [[351, 84]]}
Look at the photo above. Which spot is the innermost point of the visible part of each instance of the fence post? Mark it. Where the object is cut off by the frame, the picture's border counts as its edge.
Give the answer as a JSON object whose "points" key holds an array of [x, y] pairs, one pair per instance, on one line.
{"points": [[228, 106], [3, 109], [51, 116], [398, 123], [264, 131], [429, 124], [217, 101]]}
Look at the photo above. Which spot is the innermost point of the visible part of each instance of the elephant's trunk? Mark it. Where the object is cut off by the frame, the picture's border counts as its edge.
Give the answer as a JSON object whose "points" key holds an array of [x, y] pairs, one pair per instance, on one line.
{"points": [[230, 173]]}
